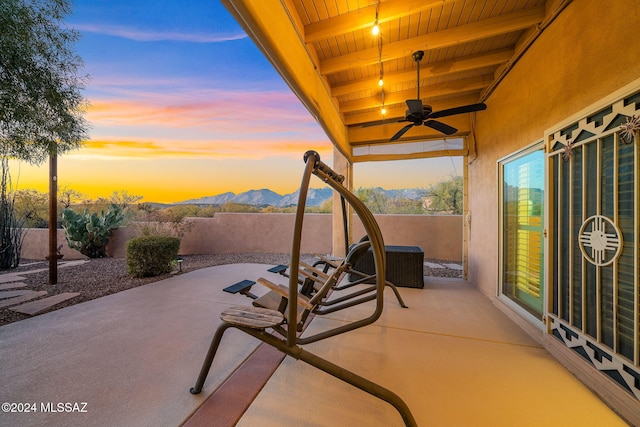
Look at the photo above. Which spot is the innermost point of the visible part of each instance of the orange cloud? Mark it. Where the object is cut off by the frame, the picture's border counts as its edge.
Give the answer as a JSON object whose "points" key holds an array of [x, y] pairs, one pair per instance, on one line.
{"points": [[218, 114], [253, 149], [210, 124]]}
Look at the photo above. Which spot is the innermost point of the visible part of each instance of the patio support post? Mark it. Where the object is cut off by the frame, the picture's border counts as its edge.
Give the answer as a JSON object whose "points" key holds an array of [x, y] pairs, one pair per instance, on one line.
{"points": [[53, 216], [341, 239]]}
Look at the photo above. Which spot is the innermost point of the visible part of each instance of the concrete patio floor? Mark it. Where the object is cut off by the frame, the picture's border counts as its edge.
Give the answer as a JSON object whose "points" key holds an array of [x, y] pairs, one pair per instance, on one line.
{"points": [[452, 356]]}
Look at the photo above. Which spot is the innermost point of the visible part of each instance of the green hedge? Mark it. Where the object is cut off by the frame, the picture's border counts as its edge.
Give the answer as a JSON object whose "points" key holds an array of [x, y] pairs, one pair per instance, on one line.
{"points": [[150, 256]]}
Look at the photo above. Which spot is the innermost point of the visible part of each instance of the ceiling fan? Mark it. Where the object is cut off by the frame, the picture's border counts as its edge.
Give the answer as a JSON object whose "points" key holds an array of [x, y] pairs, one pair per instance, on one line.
{"points": [[419, 114]]}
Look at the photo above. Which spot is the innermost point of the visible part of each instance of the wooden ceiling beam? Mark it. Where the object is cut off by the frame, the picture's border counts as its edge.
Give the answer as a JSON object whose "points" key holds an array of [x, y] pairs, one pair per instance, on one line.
{"points": [[365, 17], [447, 88], [486, 28], [374, 115], [429, 70], [407, 156]]}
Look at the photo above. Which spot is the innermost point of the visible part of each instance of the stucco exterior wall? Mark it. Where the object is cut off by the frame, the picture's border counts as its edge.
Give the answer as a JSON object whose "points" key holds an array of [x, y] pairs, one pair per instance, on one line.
{"points": [[439, 236], [256, 233], [35, 245], [588, 52]]}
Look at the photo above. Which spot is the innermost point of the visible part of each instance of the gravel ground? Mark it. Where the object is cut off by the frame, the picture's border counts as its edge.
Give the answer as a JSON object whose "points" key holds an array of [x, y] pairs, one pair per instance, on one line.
{"points": [[104, 276]]}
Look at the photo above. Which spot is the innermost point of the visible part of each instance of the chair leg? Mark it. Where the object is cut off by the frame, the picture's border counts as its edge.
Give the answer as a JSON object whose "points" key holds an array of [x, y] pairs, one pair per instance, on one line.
{"points": [[365, 277], [395, 291], [208, 360]]}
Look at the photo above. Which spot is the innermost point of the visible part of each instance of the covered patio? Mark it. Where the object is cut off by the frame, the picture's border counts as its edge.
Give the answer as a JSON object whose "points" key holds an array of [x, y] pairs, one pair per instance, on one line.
{"points": [[561, 347], [131, 358], [552, 158]]}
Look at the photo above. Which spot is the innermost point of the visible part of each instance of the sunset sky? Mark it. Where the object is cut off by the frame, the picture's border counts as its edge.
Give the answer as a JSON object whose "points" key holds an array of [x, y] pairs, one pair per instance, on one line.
{"points": [[183, 105]]}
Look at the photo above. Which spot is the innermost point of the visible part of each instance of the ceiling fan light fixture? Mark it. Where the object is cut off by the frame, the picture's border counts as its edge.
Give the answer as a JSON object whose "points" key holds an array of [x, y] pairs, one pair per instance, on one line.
{"points": [[375, 30], [419, 114]]}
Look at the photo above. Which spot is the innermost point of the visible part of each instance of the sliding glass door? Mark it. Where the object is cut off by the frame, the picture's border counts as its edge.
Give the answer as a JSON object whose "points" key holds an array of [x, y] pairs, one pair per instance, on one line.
{"points": [[522, 225]]}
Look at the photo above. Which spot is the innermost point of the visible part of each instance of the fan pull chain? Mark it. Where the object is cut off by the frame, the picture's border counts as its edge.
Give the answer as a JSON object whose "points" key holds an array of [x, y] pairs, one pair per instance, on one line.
{"points": [[383, 110], [418, 78]]}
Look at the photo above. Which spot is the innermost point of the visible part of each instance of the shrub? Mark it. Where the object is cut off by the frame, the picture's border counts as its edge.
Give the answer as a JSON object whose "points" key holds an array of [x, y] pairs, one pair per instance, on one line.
{"points": [[89, 232], [171, 221], [149, 256]]}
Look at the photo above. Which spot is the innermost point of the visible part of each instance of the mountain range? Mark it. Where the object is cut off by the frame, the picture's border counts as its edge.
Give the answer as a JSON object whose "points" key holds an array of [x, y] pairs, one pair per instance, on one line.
{"points": [[315, 197]]}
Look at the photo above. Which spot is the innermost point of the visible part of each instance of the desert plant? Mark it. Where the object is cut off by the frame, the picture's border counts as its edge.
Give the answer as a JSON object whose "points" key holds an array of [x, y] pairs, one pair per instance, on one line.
{"points": [[375, 199], [89, 232], [10, 224], [33, 207], [67, 197], [149, 256], [446, 197], [171, 221]]}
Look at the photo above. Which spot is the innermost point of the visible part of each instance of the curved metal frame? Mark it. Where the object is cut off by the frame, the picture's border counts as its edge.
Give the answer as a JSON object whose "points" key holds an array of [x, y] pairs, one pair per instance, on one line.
{"points": [[315, 166]]}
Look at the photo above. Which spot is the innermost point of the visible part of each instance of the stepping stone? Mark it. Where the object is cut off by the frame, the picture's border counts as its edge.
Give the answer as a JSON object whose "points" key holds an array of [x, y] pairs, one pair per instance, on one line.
{"points": [[12, 285], [454, 266], [13, 277], [18, 300], [432, 265], [72, 263], [11, 294], [10, 277], [35, 270], [35, 307], [29, 264]]}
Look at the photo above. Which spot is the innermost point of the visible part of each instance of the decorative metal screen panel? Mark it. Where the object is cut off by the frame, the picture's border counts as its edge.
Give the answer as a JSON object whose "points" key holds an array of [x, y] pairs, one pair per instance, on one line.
{"points": [[594, 224]]}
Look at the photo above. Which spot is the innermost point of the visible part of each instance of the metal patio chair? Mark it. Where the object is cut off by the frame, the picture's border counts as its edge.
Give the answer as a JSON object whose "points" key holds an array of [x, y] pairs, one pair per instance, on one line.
{"points": [[272, 327]]}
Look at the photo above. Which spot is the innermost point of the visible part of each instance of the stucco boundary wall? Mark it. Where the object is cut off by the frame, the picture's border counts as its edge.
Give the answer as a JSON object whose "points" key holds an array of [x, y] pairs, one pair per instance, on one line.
{"points": [[439, 236]]}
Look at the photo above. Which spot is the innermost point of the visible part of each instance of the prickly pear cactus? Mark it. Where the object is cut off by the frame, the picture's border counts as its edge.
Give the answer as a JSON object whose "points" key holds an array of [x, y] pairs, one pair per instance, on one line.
{"points": [[89, 232]]}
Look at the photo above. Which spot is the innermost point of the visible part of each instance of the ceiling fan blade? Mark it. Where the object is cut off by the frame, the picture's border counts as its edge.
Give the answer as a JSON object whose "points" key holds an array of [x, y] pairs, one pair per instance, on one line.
{"points": [[441, 127], [458, 110], [401, 132], [415, 106]]}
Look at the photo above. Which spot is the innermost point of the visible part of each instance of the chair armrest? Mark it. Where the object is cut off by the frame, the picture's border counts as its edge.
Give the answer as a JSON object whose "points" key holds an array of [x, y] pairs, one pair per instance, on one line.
{"points": [[320, 273], [333, 262], [284, 291], [309, 275]]}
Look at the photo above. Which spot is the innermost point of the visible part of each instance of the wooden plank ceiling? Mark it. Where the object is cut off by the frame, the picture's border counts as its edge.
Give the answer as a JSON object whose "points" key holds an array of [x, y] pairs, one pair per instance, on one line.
{"points": [[327, 53]]}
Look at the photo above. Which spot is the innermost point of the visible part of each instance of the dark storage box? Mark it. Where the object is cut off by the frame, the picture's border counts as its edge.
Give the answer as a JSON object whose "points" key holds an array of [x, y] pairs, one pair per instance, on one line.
{"points": [[404, 266]]}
